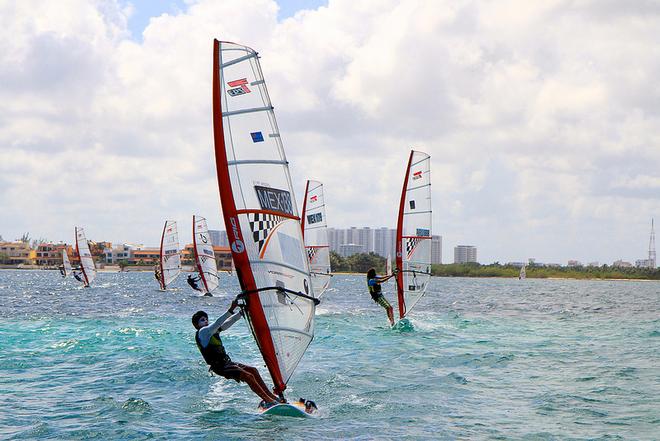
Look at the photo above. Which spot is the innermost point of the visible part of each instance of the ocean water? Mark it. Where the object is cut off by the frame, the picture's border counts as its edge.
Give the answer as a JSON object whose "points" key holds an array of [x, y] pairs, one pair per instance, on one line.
{"points": [[485, 359]]}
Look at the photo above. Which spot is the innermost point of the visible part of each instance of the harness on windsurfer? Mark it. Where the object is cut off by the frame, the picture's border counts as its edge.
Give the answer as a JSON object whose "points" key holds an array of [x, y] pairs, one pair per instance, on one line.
{"points": [[192, 281], [210, 346], [373, 283]]}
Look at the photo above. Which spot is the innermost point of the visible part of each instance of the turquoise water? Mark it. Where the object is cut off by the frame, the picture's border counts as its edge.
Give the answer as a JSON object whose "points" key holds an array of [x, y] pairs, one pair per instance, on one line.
{"points": [[486, 359]]}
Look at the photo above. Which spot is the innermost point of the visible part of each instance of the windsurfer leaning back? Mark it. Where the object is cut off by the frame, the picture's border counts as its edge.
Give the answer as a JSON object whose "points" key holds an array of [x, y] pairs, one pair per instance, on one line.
{"points": [[210, 345], [373, 283]]}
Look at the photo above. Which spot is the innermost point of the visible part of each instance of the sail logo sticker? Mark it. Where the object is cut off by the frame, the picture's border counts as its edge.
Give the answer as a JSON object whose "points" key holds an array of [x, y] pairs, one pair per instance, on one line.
{"points": [[314, 198], [314, 218], [273, 199], [417, 175], [257, 137], [237, 244], [239, 87]]}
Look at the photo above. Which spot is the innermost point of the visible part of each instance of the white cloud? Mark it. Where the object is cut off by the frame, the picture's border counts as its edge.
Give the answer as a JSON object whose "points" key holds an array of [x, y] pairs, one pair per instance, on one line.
{"points": [[541, 117]]}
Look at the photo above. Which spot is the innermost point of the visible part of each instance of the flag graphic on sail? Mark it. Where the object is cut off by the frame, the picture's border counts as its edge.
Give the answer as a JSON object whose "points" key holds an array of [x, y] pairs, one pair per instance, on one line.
{"points": [[260, 213], [204, 254], [170, 257], [315, 232], [66, 263], [86, 261], [413, 234]]}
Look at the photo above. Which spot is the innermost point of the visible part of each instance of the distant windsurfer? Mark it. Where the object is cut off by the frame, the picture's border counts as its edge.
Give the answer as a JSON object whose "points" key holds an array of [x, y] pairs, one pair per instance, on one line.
{"points": [[210, 345], [76, 274], [62, 271], [373, 282], [157, 272], [193, 282]]}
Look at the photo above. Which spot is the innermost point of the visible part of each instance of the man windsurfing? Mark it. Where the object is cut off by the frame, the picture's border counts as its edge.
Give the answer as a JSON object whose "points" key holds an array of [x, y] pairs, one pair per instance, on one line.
{"points": [[210, 345]]}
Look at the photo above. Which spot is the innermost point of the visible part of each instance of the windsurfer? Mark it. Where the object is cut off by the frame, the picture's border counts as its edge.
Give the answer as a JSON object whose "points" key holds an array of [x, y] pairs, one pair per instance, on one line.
{"points": [[373, 283], [192, 281], [210, 345], [61, 268], [76, 274], [157, 272]]}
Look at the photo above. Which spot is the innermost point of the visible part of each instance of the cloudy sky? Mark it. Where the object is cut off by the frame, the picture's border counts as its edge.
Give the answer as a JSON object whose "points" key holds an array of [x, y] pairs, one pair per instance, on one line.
{"points": [[542, 118]]}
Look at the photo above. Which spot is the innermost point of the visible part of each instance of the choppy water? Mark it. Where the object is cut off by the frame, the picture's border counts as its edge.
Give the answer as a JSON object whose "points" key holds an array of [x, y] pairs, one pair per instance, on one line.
{"points": [[487, 359]]}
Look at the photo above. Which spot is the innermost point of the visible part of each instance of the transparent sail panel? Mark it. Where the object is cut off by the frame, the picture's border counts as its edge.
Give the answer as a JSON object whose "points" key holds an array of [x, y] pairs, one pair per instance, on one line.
{"points": [[316, 237], [416, 232], [266, 207], [86, 260], [204, 255], [170, 255]]}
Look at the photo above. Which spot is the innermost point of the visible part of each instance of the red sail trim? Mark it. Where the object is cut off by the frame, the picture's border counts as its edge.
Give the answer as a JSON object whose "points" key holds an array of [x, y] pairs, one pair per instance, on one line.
{"points": [[399, 242], [230, 213], [304, 211], [415, 237], [270, 234], [162, 269], [273, 212], [82, 267], [200, 270]]}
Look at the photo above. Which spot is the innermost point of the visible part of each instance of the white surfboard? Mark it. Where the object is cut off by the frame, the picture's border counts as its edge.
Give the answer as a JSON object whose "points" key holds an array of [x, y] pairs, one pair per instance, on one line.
{"points": [[295, 409]]}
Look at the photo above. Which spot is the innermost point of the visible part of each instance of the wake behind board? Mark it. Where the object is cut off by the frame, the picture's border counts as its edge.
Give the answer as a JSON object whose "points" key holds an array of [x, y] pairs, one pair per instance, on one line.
{"points": [[295, 409], [403, 325]]}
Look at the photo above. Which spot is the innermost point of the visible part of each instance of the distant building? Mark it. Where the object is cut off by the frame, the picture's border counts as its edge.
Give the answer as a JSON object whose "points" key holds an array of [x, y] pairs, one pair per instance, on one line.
{"points": [[48, 254], [219, 238], [644, 263], [385, 241], [119, 253], [17, 253], [436, 249], [622, 264], [574, 263], [348, 249], [516, 264], [593, 264], [465, 254]]}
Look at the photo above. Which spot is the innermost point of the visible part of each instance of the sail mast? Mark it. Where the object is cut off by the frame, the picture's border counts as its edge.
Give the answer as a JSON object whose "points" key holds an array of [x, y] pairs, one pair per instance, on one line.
{"points": [[399, 242], [304, 210], [162, 268], [235, 235]]}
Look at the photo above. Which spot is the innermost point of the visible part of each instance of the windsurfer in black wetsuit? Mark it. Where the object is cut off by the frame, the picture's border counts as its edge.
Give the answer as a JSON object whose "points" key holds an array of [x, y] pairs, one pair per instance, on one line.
{"points": [[210, 345], [157, 272], [192, 281], [373, 282], [61, 268], [76, 274]]}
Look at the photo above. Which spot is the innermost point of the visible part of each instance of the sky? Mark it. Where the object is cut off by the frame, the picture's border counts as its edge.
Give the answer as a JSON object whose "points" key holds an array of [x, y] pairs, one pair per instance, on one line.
{"points": [[542, 118]]}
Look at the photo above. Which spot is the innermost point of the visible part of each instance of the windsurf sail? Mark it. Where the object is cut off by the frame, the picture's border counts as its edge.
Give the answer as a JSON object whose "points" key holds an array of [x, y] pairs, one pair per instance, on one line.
{"points": [[523, 273], [388, 265], [66, 263], [86, 261], [315, 233], [204, 255], [260, 214], [413, 233], [170, 258]]}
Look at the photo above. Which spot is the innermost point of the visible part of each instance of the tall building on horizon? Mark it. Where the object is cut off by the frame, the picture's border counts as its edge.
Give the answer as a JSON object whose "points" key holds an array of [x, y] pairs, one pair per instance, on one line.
{"points": [[652, 262], [436, 249], [465, 254]]}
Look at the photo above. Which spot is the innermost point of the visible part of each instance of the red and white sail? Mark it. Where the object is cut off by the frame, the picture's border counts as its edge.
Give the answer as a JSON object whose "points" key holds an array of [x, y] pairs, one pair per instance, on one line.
{"points": [[413, 233], [86, 261], [170, 256], [315, 232], [204, 255], [260, 214], [66, 263]]}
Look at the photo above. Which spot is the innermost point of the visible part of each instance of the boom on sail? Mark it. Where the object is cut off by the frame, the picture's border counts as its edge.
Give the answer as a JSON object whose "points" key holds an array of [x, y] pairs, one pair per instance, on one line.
{"points": [[413, 233], [260, 212]]}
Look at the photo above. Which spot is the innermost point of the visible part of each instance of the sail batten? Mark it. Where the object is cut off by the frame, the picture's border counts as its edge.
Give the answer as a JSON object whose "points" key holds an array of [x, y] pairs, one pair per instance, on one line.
{"points": [[259, 210], [315, 233], [413, 235]]}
